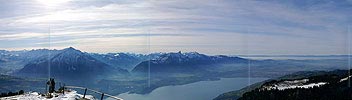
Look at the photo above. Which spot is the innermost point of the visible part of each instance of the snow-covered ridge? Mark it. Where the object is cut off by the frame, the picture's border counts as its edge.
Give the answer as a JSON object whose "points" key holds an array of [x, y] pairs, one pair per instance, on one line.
{"points": [[293, 84], [344, 79], [179, 57], [311, 85], [191, 57], [72, 95]]}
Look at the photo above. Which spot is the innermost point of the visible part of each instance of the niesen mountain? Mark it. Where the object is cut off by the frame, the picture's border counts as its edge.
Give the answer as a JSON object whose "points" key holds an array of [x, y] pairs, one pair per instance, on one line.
{"points": [[69, 63], [184, 62]]}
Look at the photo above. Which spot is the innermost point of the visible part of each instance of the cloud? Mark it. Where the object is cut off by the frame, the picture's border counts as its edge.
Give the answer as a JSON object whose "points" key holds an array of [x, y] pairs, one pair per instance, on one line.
{"points": [[290, 27], [23, 36]]}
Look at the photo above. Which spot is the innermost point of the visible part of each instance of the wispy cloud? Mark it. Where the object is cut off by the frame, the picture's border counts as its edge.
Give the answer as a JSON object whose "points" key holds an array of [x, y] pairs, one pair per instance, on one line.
{"points": [[235, 27], [20, 36]]}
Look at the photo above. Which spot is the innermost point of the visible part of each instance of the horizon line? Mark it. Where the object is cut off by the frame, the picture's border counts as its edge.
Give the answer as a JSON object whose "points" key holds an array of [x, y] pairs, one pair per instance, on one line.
{"points": [[243, 55]]}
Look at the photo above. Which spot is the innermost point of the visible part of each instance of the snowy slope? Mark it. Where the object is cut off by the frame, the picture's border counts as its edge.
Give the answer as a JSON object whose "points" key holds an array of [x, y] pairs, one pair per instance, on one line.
{"points": [[72, 95], [345, 79], [293, 84], [311, 85]]}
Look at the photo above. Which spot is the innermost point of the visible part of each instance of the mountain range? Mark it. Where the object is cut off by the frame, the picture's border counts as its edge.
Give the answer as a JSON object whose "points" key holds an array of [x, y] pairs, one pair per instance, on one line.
{"points": [[184, 62], [71, 62]]}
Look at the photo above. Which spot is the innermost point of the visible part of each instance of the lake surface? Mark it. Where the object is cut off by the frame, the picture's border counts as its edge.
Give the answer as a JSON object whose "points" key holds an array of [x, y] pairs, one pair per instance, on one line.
{"points": [[203, 90]]}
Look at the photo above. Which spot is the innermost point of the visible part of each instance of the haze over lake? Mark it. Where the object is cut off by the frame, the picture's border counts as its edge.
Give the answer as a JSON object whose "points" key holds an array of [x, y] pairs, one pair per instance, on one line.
{"points": [[204, 90]]}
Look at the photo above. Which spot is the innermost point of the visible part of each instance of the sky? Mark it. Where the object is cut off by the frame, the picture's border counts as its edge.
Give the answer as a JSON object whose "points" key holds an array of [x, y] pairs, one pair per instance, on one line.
{"points": [[231, 27]]}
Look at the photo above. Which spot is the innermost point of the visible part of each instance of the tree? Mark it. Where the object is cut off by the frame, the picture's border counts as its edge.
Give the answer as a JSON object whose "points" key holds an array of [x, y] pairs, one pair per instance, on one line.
{"points": [[20, 92], [10, 94]]}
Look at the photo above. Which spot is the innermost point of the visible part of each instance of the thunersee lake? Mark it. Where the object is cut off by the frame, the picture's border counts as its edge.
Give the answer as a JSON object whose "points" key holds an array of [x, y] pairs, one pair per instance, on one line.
{"points": [[203, 90]]}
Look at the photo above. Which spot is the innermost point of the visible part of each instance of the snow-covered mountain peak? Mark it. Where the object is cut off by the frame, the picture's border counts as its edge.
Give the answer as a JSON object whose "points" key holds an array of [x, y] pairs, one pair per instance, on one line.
{"points": [[193, 57], [193, 54], [72, 50], [170, 57]]}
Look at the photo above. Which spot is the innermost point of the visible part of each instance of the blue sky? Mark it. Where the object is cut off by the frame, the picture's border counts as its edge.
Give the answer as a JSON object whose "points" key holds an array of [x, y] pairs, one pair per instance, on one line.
{"points": [[207, 26]]}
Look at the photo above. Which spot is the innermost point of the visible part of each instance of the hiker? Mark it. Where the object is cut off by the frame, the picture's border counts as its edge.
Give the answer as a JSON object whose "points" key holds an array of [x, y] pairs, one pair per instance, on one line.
{"points": [[51, 84]]}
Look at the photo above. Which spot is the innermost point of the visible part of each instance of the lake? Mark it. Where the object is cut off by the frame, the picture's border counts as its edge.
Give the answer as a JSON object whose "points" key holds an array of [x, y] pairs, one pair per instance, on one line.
{"points": [[203, 90]]}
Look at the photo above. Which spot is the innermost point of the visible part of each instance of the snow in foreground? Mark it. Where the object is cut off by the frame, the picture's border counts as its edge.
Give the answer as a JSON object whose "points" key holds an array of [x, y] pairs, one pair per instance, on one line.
{"points": [[72, 95]]}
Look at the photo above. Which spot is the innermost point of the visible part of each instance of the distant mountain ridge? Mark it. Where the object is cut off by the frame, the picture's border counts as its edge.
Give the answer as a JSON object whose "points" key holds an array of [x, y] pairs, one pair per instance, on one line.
{"points": [[183, 62], [122, 60]]}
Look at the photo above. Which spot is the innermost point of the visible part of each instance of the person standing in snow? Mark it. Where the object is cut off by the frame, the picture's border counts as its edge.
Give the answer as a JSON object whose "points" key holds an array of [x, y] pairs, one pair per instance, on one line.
{"points": [[51, 84]]}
